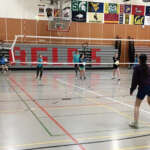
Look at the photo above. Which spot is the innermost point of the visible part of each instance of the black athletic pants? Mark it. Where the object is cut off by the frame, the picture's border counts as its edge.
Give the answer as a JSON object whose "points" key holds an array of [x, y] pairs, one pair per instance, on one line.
{"points": [[76, 66], [39, 70]]}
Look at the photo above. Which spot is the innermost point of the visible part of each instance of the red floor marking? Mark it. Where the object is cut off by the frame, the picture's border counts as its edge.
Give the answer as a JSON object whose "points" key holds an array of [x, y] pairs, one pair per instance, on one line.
{"points": [[49, 116]]}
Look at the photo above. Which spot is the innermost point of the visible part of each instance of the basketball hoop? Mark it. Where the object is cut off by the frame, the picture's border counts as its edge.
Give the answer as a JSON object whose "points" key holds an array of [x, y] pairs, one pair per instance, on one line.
{"points": [[59, 28], [61, 18], [59, 23]]}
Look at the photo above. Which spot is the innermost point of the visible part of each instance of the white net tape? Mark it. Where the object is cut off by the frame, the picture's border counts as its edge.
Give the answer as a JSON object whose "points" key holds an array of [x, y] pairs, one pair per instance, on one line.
{"points": [[61, 63], [79, 38]]}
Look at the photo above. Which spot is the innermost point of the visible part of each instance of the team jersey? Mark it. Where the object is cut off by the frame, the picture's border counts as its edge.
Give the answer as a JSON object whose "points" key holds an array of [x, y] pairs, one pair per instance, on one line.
{"points": [[82, 61], [76, 58], [2, 61], [40, 60], [139, 78]]}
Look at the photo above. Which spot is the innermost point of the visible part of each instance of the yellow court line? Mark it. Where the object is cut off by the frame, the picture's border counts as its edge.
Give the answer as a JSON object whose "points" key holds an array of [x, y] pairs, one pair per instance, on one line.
{"points": [[51, 108], [12, 111], [136, 147], [120, 113], [75, 106], [111, 137], [36, 144]]}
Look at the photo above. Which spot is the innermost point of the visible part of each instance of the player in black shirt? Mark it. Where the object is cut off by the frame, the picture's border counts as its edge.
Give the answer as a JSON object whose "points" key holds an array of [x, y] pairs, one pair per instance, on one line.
{"points": [[116, 66], [140, 78]]}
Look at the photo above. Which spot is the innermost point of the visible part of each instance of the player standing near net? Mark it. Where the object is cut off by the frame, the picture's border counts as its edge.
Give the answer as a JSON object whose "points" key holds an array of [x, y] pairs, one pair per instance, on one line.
{"points": [[141, 77], [39, 67], [82, 60], [76, 58], [116, 66]]}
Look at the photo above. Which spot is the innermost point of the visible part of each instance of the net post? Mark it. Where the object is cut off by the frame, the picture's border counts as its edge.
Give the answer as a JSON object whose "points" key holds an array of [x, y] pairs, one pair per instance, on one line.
{"points": [[12, 48]]}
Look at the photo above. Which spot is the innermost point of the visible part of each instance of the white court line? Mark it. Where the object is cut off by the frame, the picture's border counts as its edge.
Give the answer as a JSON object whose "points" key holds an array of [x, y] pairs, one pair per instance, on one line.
{"points": [[95, 93]]}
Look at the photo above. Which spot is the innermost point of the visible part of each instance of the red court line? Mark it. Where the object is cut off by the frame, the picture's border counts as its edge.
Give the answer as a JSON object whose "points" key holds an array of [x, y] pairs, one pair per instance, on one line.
{"points": [[49, 116]]}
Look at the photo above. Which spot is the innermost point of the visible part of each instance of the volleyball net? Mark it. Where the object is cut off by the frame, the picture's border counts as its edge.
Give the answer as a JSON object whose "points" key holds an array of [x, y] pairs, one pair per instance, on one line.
{"points": [[59, 51]]}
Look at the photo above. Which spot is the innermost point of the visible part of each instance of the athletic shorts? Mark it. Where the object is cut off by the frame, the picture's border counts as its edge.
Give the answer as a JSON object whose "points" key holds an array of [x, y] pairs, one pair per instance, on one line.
{"points": [[3, 63], [81, 67], [115, 66], [76, 65], [39, 68], [143, 91]]}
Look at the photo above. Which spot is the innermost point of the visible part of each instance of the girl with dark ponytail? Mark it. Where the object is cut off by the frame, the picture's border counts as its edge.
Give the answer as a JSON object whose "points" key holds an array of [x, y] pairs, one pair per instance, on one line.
{"points": [[143, 60], [141, 78]]}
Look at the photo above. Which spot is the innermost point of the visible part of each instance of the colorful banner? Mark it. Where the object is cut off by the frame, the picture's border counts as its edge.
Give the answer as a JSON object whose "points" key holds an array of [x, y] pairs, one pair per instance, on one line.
{"points": [[114, 8], [95, 7], [107, 13], [106, 8], [41, 11], [66, 13], [74, 5], [121, 19], [127, 9], [131, 21], [127, 19], [121, 9], [111, 8], [66, 10], [79, 9], [79, 6], [138, 10], [82, 6], [139, 20], [147, 20], [50, 12], [147, 13], [57, 13], [111, 18], [79, 16], [95, 17]]}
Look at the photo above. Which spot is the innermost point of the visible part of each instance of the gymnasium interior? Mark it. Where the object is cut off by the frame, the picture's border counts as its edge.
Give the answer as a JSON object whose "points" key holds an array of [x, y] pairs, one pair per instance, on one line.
{"points": [[60, 110]]}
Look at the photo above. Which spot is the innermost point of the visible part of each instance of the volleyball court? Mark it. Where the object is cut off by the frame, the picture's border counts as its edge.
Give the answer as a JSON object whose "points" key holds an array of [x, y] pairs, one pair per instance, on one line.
{"points": [[70, 113], [61, 111]]}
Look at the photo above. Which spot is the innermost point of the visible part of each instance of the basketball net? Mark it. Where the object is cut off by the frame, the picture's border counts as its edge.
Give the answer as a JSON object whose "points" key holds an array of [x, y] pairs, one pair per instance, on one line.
{"points": [[59, 31]]}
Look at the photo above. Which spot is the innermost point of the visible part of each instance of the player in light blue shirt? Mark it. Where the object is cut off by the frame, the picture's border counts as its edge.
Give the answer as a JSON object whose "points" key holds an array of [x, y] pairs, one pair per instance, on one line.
{"points": [[76, 58], [82, 60], [39, 67]]}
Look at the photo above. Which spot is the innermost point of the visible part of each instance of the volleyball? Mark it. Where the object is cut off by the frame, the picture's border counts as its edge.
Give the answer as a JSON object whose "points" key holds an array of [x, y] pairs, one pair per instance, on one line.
{"points": [[117, 63], [84, 63], [37, 18]]}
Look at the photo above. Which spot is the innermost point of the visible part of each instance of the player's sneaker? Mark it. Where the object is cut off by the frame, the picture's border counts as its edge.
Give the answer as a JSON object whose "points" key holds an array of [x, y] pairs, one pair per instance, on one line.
{"points": [[134, 125]]}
